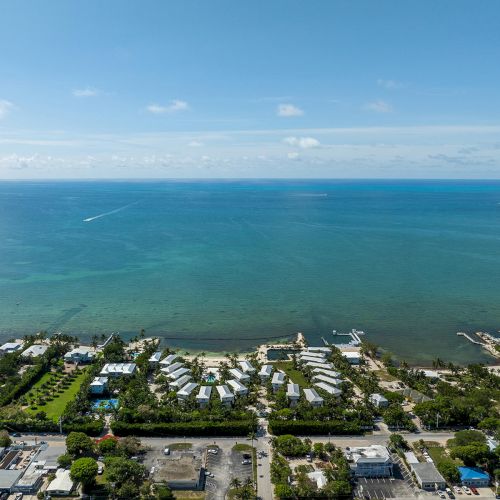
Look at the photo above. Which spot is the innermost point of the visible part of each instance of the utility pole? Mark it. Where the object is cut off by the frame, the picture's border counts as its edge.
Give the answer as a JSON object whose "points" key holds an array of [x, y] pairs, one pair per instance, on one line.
{"points": [[437, 420]]}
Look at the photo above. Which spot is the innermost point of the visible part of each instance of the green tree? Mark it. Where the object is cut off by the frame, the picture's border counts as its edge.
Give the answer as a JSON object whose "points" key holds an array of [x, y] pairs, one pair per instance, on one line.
{"points": [[127, 490], [283, 491], [84, 471], [5, 440], [449, 471], [399, 442], [64, 460], [120, 470], [108, 446], [79, 444], [471, 454], [164, 493]]}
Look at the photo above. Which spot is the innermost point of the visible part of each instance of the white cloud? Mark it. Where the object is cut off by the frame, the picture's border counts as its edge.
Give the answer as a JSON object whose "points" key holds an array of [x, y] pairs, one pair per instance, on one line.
{"points": [[389, 84], [173, 107], [195, 144], [293, 155], [379, 106], [86, 92], [5, 108], [302, 142], [288, 110]]}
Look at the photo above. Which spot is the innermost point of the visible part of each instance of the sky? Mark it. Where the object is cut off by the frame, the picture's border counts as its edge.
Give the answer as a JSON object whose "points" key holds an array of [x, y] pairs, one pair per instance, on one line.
{"points": [[234, 89]]}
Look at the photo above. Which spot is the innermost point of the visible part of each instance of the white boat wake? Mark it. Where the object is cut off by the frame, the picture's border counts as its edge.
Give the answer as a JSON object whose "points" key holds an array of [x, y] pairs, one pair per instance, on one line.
{"points": [[90, 219]]}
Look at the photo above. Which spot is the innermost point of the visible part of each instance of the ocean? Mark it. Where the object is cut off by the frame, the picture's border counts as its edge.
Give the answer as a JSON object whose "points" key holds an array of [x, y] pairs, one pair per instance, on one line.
{"points": [[223, 265]]}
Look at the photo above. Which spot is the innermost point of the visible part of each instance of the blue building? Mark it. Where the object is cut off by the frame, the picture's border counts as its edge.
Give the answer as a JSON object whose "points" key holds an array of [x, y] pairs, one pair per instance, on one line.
{"points": [[474, 476]]}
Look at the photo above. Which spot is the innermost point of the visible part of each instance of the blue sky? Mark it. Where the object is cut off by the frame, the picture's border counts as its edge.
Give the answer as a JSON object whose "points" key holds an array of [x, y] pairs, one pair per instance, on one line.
{"points": [[282, 88]]}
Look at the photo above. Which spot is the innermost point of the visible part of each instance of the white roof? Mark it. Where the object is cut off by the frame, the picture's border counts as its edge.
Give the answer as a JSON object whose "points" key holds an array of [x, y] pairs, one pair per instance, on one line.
{"points": [[237, 386], [118, 369], [180, 381], [187, 389], [155, 357], [378, 398], [318, 476], [11, 346], [293, 390], [328, 373], [35, 350], [266, 370], [328, 388], [374, 453], [168, 359], [246, 366], [81, 350], [236, 373], [178, 373], [314, 364], [62, 482], [411, 458], [322, 348], [172, 368], [312, 354], [351, 354], [98, 381], [205, 391], [323, 378], [308, 359], [278, 378], [312, 396], [224, 392]]}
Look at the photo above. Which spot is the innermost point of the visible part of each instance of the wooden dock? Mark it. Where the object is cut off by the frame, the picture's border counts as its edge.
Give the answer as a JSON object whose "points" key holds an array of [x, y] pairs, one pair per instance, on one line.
{"points": [[468, 337]]}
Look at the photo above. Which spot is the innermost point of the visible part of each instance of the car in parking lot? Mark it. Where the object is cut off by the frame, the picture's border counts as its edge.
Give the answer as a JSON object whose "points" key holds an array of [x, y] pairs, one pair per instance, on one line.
{"points": [[474, 490], [100, 470], [166, 451], [450, 493], [467, 490], [441, 494]]}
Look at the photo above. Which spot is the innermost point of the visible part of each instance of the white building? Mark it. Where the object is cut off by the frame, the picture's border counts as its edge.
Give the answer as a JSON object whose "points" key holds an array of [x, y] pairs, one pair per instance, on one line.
{"points": [[318, 476], [171, 368], [354, 357], [328, 388], [378, 400], [180, 382], [293, 393], [246, 366], [316, 364], [370, 461], [118, 369], [225, 395], [203, 397], [80, 354], [277, 381], [238, 388], [428, 477], [154, 360], [34, 351], [313, 398], [309, 359], [239, 375], [186, 391], [99, 385], [328, 373], [265, 372], [312, 354], [168, 360], [10, 347], [324, 349], [62, 485], [319, 377], [179, 373]]}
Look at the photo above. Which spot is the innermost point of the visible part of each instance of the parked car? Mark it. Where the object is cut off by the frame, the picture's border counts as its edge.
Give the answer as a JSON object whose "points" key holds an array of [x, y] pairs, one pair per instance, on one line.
{"points": [[450, 493], [467, 490], [456, 489], [246, 462], [100, 470], [441, 494], [474, 490], [166, 451]]}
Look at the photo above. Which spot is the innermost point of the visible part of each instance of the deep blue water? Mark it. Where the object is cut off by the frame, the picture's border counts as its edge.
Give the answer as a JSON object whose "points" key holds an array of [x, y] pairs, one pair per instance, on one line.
{"points": [[409, 262]]}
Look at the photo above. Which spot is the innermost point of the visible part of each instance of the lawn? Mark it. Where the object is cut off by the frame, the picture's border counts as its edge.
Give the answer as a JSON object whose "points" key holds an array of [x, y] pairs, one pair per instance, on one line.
{"points": [[438, 454], [55, 408], [296, 376]]}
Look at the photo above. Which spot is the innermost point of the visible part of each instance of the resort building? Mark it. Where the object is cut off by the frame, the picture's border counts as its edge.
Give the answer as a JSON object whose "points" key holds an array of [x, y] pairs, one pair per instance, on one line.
{"points": [[34, 351], [354, 357], [370, 461], [181, 381], [307, 359], [293, 394], [168, 360], [246, 366], [99, 385], [428, 477], [378, 400], [239, 375], [328, 373], [313, 398], [324, 349], [319, 377], [238, 388], [474, 476], [80, 354], [118, 369], [225, 395], [316, 364], [179, 373], [203, 397], [62, 485], [277, 381], [328, 388], [171, 368], [312, 354], [265, 373], [10, 347], [186, 391], [154, 360]]}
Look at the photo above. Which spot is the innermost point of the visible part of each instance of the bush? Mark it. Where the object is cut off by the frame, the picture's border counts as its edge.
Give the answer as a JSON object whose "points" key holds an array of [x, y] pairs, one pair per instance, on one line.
{"points": [[307, 427]]}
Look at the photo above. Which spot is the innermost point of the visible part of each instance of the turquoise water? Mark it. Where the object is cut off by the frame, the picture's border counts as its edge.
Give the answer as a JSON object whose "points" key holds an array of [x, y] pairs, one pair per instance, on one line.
{"points": [[410, 263]]}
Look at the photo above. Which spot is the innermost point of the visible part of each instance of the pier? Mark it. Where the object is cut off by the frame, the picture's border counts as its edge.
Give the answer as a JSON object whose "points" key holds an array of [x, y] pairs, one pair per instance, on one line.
{"points": [[468, 337]]}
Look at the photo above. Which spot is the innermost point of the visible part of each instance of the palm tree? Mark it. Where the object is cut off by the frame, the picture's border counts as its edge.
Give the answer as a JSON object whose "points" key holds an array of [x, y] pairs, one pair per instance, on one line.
{"points": [[235, 483], [252, 436]]}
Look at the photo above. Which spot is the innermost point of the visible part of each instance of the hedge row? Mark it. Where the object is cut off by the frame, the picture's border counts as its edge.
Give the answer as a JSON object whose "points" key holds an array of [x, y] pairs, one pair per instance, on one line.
{"points": [[29, 378], [229, 428], [93, 428], [313, 427]]}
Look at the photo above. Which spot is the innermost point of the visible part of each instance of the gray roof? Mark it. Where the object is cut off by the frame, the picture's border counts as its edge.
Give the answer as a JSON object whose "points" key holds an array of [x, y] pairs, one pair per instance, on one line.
{"points": [[293, 390], [8, 478], [427, 472], [312, 396], [278, 378]]}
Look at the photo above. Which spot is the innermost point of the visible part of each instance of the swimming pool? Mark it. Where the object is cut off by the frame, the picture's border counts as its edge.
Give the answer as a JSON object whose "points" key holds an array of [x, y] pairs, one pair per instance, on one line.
{"points": [[106, 404]]}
